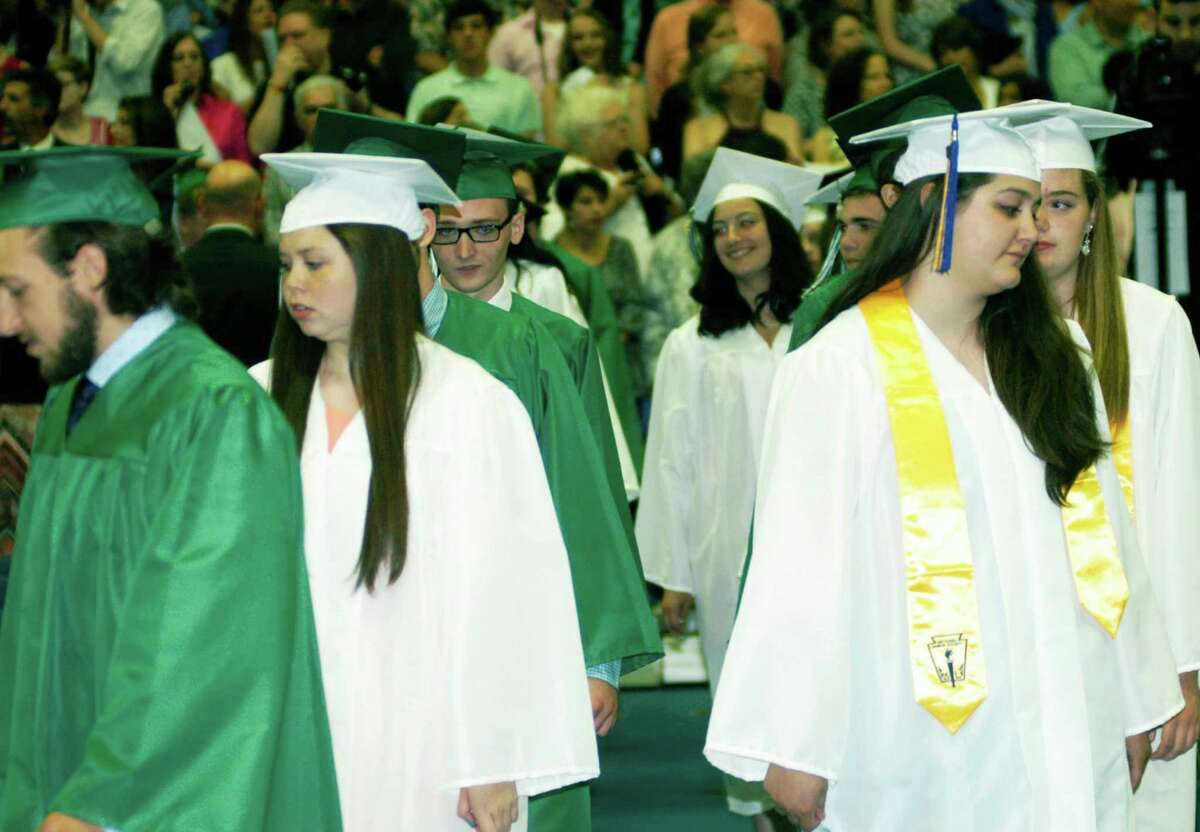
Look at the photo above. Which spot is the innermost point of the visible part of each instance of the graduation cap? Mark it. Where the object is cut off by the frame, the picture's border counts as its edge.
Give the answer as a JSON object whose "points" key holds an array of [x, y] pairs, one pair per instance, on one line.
{"points": [[78, 184], [489, 160], [737, 175], [939, 93], [976, 142], [351, 188], [546, 165], [340, 132], [1063, 141]]}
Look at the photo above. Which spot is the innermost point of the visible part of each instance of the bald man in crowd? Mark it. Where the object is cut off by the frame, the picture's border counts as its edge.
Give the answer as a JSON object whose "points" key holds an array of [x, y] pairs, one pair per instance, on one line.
{"points": [[235, 274]]}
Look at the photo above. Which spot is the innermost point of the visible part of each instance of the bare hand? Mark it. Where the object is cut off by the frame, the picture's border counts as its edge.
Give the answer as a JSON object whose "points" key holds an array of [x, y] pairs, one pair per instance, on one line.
{"points": [[1120, 213], [799, 794], [288, 62], [676, 607], [1137, 752], [173, 97], [622, 191], [490, 808], [605, 704], [58, 822], [1180, 732]]}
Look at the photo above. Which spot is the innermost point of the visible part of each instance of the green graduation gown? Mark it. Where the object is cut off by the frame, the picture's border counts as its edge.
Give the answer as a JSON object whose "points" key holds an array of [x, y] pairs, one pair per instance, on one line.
{"points": [[160, 666], [614, 617], [807, 320], [587, 283]]}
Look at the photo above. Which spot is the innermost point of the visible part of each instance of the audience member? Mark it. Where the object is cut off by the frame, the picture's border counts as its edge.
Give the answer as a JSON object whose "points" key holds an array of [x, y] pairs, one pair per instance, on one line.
{"points": [[313, 95], [304, 38], [236, 276], [242, 71], [125, 37], [833, 35], [143, 121], [372, 40], [596, 132], [583, 195], [427, 26], [29, 104], [905, 30], [733, 82], [666, 47], [72, 126], [709, 28], [1020, 88], [592, 56], [214, 126], [495, 96], [446, 110], [957, 41], [531, 43], [857, 77], [1077, 58]]}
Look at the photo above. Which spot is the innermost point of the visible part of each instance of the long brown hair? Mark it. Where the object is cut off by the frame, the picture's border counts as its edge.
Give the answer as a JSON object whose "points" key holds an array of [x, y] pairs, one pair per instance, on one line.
{"points": [[385, 369], [1034, 363], [1098, 305]]}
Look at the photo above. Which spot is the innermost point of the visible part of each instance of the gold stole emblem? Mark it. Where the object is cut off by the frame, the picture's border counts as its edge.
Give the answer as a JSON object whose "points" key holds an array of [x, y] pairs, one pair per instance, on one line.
{"points": [[949, 675]]}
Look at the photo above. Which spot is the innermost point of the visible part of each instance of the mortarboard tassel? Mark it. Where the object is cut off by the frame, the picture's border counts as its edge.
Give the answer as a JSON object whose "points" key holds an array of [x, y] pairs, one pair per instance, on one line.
{"points": [[831, 257], [944, 240]]}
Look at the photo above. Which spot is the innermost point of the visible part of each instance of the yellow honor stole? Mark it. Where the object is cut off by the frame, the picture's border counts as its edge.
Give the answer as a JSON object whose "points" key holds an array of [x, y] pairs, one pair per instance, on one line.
{"points": [[1122, 453], [949, 675]]}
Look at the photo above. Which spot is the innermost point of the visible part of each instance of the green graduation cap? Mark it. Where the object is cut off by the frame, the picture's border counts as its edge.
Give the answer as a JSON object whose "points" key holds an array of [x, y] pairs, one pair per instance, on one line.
{"points": [[340, 132], [489, 160], [939, 93], [77, 184]]}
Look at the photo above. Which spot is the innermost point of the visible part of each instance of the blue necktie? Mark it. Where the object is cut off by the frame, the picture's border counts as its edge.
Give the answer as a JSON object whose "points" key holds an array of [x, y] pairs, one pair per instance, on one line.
{"points": [[85, 391]]}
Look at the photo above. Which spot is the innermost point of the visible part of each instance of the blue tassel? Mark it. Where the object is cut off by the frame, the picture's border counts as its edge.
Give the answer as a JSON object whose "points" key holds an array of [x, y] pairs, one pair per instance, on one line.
{"points": [[949, 204]]}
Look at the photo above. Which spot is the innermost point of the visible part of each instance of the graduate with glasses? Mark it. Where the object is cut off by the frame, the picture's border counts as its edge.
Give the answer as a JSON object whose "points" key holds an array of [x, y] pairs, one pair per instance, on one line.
{"points": [[947, 620], [450, 654], [1149, 371]]}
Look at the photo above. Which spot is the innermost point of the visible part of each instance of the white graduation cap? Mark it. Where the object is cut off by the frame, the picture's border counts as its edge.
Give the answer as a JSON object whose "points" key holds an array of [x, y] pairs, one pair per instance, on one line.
{"points": [[831, 194], [1063, 141], [347, 188], [986, 139], [737, 175]]}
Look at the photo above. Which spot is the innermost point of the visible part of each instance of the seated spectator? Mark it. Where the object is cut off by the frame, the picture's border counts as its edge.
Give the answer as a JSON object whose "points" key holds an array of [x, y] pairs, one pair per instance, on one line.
{"points": [[29, 104], [143, 121], [666, 47], [446, 110], [530, 44], [372, 41], [732, 82], [582, 195], [304, 39], [596, 132], [709, 28], [592, 56], [905, 30], [855, 78], [236, 277], [1020, 88], [957, 41], [832, 36], [125, 37], [313, 95], [242, 70], [427, 25], [72, 126], [1077, 58], [495, 96], [215, 126]]}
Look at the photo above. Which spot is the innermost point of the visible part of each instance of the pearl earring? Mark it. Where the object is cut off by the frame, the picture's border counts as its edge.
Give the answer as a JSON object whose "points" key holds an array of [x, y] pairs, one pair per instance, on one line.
{"points": [[1085, 247]]}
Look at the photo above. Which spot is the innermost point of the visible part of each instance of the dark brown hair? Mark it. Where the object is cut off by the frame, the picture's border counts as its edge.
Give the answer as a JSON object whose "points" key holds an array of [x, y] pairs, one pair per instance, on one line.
{"points": [[385, 369], [1034, 363], [611, 57]]}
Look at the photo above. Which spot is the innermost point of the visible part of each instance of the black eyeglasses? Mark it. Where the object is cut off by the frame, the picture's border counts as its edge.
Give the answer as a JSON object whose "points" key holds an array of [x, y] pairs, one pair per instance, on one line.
{"points": [[488, 232]]}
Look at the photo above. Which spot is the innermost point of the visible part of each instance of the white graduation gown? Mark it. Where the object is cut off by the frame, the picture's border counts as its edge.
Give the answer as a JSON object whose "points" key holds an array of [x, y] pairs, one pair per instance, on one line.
{"points": [[701, 468], [818, 677], [546, 286], [1164, 408], [468, 670]]}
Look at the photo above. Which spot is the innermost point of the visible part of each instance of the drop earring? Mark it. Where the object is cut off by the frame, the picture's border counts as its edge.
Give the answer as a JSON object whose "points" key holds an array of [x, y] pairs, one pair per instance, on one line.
{"points": [[1085, 248]]}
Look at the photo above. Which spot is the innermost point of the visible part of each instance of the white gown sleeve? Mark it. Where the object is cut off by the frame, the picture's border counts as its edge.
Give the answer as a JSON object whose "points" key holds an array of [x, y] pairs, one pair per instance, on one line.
{"points": [[663, 521], [514, 690], [1176, 459], [792, 622]]}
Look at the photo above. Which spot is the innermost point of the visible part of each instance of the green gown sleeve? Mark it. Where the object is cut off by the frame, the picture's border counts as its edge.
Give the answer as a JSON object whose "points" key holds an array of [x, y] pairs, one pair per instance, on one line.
{"points": [[167, 675]]}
